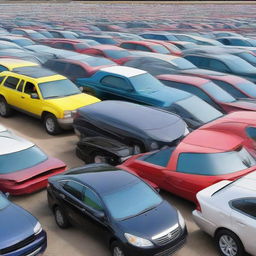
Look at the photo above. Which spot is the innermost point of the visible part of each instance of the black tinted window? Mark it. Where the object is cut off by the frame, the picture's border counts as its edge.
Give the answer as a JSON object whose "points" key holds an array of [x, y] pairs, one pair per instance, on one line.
{"points": [[142, 48], [20, 87], [128, 46], [91, 199], [230, 89], [11, 82], [115, 82], [218, 66], [74, 188], [251, 132], [3, 68], [160, 158], [2, 79], [75, 71], [245, 205], [30, 88]]}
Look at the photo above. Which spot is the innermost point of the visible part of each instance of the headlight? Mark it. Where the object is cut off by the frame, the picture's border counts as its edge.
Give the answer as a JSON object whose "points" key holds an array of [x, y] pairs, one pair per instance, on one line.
{"points": [[181, 220], [138, 241], [154, 146], [69, 113], [37, 228]]}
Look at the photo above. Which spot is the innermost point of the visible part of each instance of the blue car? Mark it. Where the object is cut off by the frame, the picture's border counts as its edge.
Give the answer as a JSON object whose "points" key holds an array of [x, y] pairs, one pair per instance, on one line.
{"points": [[135, 85], [20, 232]]}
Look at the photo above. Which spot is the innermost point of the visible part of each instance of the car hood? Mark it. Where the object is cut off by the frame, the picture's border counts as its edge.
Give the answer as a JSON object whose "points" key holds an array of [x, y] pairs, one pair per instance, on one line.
{"points": [[244, 104], [41, 168], [74, 101], [151, 223], [16, 225]]}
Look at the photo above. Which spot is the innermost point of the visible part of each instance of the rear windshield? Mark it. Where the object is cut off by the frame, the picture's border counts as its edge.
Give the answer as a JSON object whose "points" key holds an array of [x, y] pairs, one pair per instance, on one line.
{"points": [[214, 164]]}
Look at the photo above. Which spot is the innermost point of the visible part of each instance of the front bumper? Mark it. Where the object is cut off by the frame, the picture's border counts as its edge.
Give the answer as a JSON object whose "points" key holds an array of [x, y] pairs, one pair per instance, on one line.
{"points": [[165, 250], [36, 247], [66, 123]]}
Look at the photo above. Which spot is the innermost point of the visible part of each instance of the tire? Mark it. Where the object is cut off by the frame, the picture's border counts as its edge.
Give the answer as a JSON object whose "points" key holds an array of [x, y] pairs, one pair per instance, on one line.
{"points": [[5, 109], [228, 243], [61, 218], [51, 124], [117, 249]]}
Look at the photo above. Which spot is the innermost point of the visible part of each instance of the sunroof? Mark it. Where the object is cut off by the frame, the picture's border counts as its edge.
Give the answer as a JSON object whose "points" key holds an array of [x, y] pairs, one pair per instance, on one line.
{"points": [[35, 72]]}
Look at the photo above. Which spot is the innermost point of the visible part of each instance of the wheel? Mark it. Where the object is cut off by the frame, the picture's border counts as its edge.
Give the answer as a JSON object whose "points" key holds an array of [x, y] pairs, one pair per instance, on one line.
{"points": [[229, 244], [5, 109], [60, 218], [51, 124], [117, 249]]}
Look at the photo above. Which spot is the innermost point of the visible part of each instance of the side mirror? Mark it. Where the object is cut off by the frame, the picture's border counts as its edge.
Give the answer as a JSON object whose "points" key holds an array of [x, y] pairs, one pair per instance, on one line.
{"points": [[7, 194], [34, 96]]}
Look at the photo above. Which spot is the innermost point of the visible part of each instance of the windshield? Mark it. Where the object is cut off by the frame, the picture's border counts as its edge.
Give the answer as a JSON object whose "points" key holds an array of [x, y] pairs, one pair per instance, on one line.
{"points": [[21, 160], [3, 201], [24, 42], [248, 57], [136, 199], [37, 35], [81, 46], [218, 93], [160, 49], [248, 87], [239, 65], [145, 83], [194, 105], [97, 61], [105, 40], [117, 54], [58, 89], [215, 163], [182, 63]]}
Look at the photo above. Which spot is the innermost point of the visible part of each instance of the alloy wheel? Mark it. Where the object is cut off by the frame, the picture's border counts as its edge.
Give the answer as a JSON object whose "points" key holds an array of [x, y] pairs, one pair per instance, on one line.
{"points": [[228, 245], [118, 252]]}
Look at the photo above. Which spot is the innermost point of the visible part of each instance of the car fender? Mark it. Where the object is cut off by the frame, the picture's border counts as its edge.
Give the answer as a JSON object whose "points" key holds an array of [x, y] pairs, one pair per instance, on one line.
{"points": [[53, 110]]}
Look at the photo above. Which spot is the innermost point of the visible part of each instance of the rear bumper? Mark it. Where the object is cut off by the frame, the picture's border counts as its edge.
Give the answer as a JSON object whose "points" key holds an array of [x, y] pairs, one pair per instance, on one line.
{"points": [[37, 247], [165, 250]]}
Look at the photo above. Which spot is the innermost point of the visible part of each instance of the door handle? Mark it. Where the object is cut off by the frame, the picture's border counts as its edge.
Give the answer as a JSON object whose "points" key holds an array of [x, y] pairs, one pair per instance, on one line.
{"points": [[62, 196]]}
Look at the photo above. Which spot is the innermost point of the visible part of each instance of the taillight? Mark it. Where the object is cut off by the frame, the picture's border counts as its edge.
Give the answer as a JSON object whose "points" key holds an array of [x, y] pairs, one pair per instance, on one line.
{"points": [[198, 206]]}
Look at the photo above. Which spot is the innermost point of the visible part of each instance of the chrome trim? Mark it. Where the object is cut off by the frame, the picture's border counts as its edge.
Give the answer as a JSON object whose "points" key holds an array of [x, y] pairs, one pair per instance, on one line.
{"points": [[35, 252], [165, 232]]}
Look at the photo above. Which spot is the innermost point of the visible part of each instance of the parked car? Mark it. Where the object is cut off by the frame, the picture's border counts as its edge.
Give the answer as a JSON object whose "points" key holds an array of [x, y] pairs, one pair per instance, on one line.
{"points": [[225, 63], [135, 85], [63, 34], [237, 41], [126, 212], [112, 131], [201, 159], [102, 39], [226, 211], [9, 64], [32, 34], [24, 167], [75, 68], [43, 94], [209, 92], [20, 233], [163, 36], [111, 52], [19, 40]]}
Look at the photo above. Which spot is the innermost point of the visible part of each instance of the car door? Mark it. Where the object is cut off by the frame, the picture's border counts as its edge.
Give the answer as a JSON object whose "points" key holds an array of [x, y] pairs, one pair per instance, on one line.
{"points": [[31, 103], [244, 221]]}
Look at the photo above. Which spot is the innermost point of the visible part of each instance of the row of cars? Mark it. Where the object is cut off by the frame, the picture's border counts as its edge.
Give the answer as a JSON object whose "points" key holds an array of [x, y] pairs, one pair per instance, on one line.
{"points": [[184, 139]]}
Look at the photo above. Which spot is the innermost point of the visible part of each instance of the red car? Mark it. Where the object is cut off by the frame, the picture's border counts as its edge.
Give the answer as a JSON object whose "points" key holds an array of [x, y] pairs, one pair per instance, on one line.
{"points": [[24, 167], [174, 50], [83, 66], [209, 92], [112, 52], [201, 159]]}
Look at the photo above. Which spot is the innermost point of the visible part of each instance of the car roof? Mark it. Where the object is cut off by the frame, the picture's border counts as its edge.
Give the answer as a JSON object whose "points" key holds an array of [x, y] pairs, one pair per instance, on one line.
{"points": [[103, 179], [11, 143], [227, 78], [211, 141], [160, 56], [35, 72], [198, 81], [124, 71], [16, 63]]}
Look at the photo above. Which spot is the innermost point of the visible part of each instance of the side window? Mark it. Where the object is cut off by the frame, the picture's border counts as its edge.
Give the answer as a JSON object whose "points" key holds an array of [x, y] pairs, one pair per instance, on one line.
{"points": [[75, 71], [3, 68], [160, 158], [245, 205], [74, 188], [142, 48], [238, 42], [116, 83], [225, 41], [198, 61], [251, 132], [20, 86], [218, 66], [68, 47], [56, 34], [91, 199], [128, 46], [2, 79], [148, 36], [11, 82], [230, 89], [159, 37], [30, 88], [19, 32]]}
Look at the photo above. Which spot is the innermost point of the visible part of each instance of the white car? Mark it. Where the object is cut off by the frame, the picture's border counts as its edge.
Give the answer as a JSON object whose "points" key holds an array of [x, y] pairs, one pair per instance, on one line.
{"points": [[227, 212]]}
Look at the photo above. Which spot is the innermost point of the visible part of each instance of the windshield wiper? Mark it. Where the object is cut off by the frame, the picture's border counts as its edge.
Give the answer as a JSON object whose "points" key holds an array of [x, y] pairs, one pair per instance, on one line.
{"points": [[137, 214]]}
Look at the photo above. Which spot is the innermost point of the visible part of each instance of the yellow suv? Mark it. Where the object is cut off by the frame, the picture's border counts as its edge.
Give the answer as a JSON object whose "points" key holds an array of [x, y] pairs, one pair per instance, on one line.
{"points": [[43, 94], [10, 64]]}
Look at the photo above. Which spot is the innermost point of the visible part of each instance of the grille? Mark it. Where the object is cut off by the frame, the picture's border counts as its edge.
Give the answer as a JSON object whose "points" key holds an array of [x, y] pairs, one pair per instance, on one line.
{"points": [[19, 245], [172, 235], [173, 249]]}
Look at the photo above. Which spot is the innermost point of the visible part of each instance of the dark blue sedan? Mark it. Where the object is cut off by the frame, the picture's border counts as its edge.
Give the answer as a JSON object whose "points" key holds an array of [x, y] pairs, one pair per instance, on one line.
{"points": [[20, 232]]}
